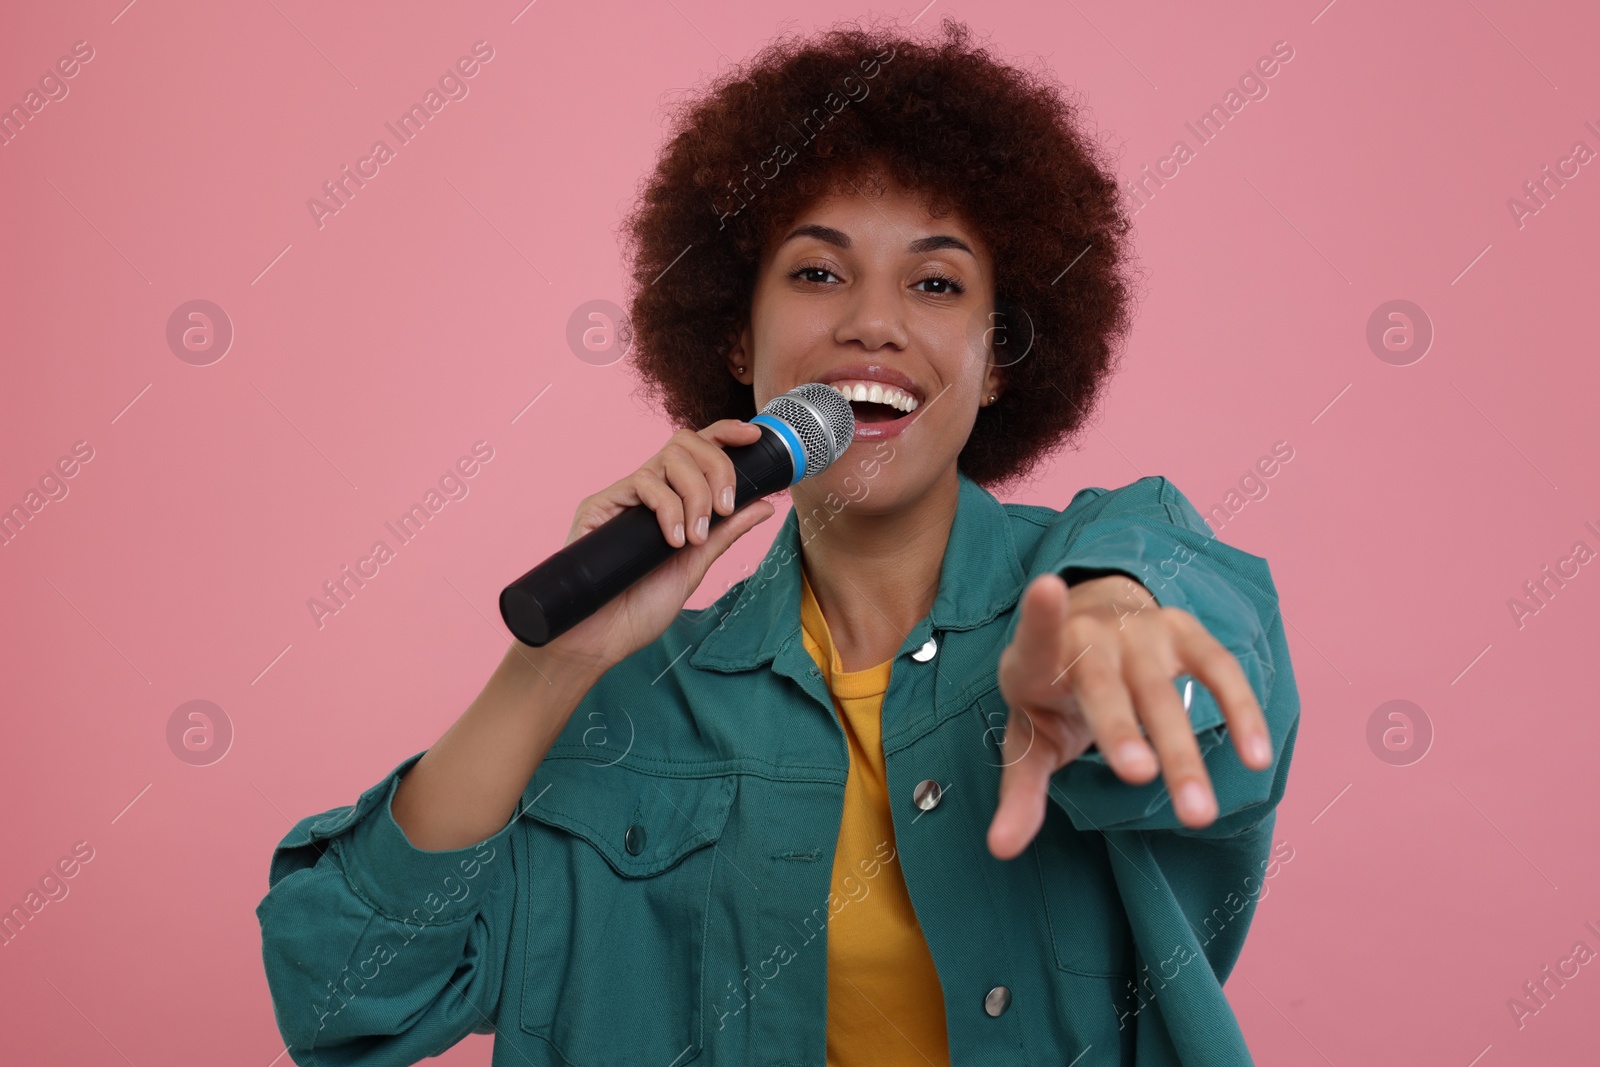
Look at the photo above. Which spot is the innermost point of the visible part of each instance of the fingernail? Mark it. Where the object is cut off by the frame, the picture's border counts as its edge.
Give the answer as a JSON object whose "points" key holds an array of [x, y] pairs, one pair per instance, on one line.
{"points": [[677, 533], [702, 525], [727, 498], [1192, 798], [1261, 748]]}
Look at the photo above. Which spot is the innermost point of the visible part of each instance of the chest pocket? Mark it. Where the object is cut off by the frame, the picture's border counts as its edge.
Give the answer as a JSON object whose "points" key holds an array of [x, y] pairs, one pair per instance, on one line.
{"points": [[619, 875], [1088, 924], [1089, 929]]}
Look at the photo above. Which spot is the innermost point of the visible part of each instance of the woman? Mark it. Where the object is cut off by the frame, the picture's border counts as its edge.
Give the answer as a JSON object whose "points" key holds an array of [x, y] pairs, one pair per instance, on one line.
{"points": [[859, 810]]}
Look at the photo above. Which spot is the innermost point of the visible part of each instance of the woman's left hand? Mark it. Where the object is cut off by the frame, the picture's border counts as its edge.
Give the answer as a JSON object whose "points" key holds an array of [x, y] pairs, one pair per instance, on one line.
{"points": [[1092, 665]]}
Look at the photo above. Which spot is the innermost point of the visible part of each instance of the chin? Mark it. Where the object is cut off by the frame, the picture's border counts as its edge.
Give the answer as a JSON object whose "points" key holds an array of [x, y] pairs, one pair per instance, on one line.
{"points": [[871, 478]]}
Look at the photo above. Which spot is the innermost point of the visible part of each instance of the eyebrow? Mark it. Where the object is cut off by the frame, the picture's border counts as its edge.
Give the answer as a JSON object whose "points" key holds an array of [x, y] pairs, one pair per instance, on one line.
{"points": [[842, 240]]}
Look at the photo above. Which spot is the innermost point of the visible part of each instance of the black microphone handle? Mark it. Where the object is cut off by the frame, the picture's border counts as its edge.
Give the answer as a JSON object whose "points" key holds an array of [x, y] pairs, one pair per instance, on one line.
{"points": [[580, 579]]}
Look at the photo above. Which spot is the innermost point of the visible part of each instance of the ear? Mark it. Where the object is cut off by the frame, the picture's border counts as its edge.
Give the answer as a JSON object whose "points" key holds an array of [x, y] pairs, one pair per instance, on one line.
{"points": [[1012, 338], [739, 347], [994, 377], [994, 381]]}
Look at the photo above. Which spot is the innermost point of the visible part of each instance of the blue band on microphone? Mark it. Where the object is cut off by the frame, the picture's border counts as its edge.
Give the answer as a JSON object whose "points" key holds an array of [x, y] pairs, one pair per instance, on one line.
{"points": [[790, 440]]}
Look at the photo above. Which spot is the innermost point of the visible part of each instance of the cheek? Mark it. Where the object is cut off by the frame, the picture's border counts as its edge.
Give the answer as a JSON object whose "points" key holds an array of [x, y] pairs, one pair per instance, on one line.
{"points": [[991, 333], [786, 338]]}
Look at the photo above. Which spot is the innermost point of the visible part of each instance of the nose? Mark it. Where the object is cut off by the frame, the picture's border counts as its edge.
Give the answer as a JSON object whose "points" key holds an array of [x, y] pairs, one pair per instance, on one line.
{"points": [[875, 316]]}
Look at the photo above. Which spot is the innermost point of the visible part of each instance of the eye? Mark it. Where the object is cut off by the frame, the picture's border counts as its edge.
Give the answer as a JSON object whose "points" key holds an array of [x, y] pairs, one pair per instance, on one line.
{"points": [[809, 268], [953, 286]]}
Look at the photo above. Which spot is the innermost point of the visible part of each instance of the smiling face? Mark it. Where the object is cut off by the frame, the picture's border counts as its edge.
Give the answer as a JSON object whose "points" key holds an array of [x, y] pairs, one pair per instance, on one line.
{"points": [[868, 286]]}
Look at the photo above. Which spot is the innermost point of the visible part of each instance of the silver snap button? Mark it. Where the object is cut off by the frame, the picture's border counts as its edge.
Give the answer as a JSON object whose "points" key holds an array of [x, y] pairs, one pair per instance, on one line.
{"points": [[633, 841], [927, 794], [925, 653], [998, 1000]]}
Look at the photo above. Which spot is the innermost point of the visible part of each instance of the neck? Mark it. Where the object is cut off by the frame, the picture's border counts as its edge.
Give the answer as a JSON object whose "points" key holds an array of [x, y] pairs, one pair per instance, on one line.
{"points": [[875, 575]]}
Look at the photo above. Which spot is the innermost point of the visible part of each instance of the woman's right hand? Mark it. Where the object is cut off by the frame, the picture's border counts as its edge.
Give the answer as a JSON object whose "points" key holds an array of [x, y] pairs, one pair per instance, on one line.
{"points": [[682, 484]]}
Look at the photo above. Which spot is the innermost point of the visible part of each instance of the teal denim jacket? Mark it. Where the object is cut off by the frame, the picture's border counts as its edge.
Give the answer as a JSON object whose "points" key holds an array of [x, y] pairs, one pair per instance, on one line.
{"points": [[662, 896]]}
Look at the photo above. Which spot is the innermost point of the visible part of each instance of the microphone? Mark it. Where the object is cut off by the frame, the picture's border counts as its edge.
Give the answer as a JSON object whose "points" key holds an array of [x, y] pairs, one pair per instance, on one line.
{"points": [[802, 432]]}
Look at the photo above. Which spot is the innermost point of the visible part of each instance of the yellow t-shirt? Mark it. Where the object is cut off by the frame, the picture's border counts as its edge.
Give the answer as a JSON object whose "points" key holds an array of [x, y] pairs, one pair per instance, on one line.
{"points": [[885, 1003]]}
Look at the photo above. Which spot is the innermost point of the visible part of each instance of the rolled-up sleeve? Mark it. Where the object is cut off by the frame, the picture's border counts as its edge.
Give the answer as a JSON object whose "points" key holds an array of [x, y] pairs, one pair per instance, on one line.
{"points": [[1150, 531], [378, 953]]}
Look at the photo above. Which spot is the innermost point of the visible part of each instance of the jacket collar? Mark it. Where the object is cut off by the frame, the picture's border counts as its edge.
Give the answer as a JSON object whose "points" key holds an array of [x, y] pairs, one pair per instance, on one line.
{"points": [[979, 578]]}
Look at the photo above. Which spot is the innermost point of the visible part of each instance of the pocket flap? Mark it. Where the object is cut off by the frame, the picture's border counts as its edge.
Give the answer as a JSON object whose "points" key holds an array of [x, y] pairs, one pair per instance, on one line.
{"points": [[642, 823]]}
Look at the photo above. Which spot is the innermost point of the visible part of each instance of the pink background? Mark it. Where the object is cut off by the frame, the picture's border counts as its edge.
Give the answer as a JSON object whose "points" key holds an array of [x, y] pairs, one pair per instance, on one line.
{"points": [[370, 354]]}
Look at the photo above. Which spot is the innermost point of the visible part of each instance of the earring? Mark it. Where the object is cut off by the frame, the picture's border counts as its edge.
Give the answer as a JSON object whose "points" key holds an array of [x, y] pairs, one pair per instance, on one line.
{"points": [[741, 368], [992, 398]]}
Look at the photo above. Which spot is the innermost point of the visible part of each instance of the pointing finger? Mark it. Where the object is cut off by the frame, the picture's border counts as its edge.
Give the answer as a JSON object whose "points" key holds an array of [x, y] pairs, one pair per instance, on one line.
{"points": [[1035, 650], [1024, 790]]}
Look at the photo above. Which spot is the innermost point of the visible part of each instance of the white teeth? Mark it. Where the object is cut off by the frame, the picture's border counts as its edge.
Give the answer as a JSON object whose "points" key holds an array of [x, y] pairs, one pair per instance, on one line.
{"points": [[877, 393]]}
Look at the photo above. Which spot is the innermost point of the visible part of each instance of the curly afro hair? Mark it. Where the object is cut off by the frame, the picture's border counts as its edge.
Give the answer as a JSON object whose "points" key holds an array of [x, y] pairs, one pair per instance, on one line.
{"points": [[995, 143]]}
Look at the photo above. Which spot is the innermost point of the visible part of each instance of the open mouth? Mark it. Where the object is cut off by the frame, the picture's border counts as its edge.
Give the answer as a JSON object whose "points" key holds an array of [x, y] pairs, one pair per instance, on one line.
{"points": [[867, 411], [873, 402]]}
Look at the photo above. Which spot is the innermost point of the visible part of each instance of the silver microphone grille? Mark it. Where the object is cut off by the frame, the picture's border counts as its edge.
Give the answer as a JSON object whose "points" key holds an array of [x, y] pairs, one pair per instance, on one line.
{"points": [[821, 417]]}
